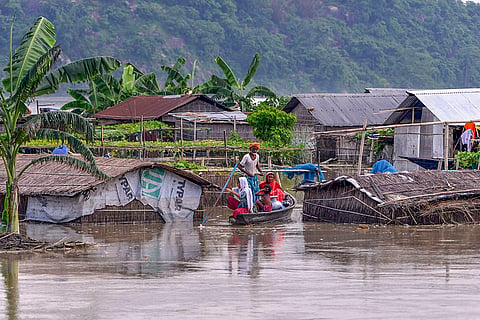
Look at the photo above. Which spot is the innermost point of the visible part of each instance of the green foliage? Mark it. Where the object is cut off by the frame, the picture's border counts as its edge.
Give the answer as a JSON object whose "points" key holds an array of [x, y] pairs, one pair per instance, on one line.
{"points": [[273, 125], [468, 159], [306, 46], [122, 130], [231, 91], [30, 73], [184, 164], [234, 138]]}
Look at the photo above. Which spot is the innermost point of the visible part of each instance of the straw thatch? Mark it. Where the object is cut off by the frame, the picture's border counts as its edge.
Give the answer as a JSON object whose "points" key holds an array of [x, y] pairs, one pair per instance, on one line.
{"points": [[53, 178], [422, 197]]}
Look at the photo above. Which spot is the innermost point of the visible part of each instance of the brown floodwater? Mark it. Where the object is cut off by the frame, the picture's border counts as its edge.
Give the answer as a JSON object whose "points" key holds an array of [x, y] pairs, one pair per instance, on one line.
{"points": [[285, 271]]}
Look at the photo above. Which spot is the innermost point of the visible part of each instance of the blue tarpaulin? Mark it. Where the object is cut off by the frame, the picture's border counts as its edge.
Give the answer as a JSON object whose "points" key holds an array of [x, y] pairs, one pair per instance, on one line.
{"points": [[382, 166], [61, 150], [308, 176]]}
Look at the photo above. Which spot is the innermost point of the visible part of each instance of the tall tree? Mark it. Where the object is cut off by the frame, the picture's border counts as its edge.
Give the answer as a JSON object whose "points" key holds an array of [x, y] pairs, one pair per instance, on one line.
{"points": [[30, 73], [231, 91]]}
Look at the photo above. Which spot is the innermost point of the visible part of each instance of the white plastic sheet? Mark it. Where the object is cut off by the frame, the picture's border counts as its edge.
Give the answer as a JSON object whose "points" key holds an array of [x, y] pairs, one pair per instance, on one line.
{"points": [[173, 197]]}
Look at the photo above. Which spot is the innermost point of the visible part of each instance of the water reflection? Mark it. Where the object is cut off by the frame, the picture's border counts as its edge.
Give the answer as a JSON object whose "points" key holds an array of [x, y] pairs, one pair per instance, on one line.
{"points": [[287, 271], [138, 249], [10, 277]]}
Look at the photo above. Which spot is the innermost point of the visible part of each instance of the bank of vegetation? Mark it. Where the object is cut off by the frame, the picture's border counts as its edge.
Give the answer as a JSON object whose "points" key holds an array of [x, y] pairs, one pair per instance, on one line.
{"points": [[306, 45]]}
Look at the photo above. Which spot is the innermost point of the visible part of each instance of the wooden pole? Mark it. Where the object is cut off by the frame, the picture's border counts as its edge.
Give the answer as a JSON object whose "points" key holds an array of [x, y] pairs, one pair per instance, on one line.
{"points": [[194, 137], [225, 146], [446, 146], [101, 140], [195, 130], [360, 155], [235, 124], [181, 139], [269, 162], [141, 138], [402, 125], [372, 147]]}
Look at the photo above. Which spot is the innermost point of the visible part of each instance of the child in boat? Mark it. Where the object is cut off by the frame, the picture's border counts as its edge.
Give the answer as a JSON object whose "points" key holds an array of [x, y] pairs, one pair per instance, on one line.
{"points": [[265, 202]]}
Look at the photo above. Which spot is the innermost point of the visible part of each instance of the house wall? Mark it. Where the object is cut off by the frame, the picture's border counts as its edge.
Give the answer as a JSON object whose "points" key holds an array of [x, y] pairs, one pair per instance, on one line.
{"points": [[421, 141], [304, 127], [431, 138], [406, 143]]}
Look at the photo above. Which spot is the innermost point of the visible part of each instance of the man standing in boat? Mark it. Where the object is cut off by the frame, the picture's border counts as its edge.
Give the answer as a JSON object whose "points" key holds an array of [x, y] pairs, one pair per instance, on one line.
{"points": [[250, 166]]}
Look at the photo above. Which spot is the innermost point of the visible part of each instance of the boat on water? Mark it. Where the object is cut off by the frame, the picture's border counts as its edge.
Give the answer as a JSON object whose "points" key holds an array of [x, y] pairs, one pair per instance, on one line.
{"points": [[280, 215]]}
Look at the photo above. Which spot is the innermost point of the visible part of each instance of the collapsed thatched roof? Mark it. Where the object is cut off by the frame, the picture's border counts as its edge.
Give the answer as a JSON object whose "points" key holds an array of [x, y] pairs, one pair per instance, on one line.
{"points": [[53, 178], [400, 188]]}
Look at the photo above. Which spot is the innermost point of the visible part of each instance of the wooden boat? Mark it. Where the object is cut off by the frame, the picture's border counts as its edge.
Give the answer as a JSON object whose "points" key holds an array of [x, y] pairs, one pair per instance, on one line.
{"points": [[281, 215]]}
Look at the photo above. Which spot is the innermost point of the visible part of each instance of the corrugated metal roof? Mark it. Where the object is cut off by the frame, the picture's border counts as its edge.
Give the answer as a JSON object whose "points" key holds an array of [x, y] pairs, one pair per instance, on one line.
{"points": [[150, 107], [225, 116], [346, 110], [383, 91], [446, 105], [53, 178], [451, 105]]}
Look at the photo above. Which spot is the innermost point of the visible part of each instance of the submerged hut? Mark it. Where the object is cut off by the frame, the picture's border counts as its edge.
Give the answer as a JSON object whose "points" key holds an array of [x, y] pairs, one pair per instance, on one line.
{"points": [[138, 191], [421, 197]]}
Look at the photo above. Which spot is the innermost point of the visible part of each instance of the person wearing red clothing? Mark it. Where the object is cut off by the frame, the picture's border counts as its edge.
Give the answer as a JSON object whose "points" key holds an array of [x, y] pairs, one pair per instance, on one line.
{"points": [[276, 189], [470, 125]]}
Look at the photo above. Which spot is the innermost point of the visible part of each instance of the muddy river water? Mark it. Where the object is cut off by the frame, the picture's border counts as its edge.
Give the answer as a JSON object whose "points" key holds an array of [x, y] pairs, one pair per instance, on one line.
{"points": [[289, 271]]}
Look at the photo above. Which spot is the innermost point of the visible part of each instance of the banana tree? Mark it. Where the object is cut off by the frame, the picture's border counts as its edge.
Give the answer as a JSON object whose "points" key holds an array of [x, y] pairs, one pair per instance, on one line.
{"points": [[231, 91], [30, 73], [105, 90], [176, 82]]}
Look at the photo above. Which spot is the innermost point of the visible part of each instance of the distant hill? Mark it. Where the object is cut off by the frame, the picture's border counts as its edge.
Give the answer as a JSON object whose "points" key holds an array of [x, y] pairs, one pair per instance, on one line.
{"points": [[305, 45]]}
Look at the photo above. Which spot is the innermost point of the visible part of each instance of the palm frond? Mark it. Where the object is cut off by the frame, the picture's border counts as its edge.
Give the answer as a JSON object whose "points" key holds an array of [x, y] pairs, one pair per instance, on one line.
{"points": [[72, 162], [78, 94], [77, 71], [60, 120], [30, 81], [261, 91], [83, 108], [227, 71], [147, 84], [35, 43], [75, 143], [252, 70], [128, 78]]}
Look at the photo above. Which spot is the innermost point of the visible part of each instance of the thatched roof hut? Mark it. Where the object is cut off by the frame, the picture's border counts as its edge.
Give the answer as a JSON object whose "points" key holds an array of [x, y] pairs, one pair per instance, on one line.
{"points": [[55, 192], [423, 197]]}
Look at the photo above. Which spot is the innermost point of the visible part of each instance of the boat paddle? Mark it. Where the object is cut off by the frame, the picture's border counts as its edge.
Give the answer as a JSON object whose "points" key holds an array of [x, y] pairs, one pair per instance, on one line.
{"points": [[223, 190]]}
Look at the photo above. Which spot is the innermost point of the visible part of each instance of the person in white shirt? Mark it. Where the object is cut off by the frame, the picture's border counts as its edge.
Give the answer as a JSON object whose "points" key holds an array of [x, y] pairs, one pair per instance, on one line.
{"points": [[250, 166]]}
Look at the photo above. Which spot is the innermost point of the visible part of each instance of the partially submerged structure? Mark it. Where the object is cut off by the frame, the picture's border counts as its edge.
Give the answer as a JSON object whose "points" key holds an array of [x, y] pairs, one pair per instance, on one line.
{"points": [[441, 115], [56, 193], [421, 197], [329, 112]]}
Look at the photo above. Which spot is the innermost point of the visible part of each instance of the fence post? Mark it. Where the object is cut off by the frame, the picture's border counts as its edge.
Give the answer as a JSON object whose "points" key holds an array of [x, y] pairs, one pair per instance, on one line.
{"points": [[181, 139], [225, 146], [446, 145], [360, 156]]}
